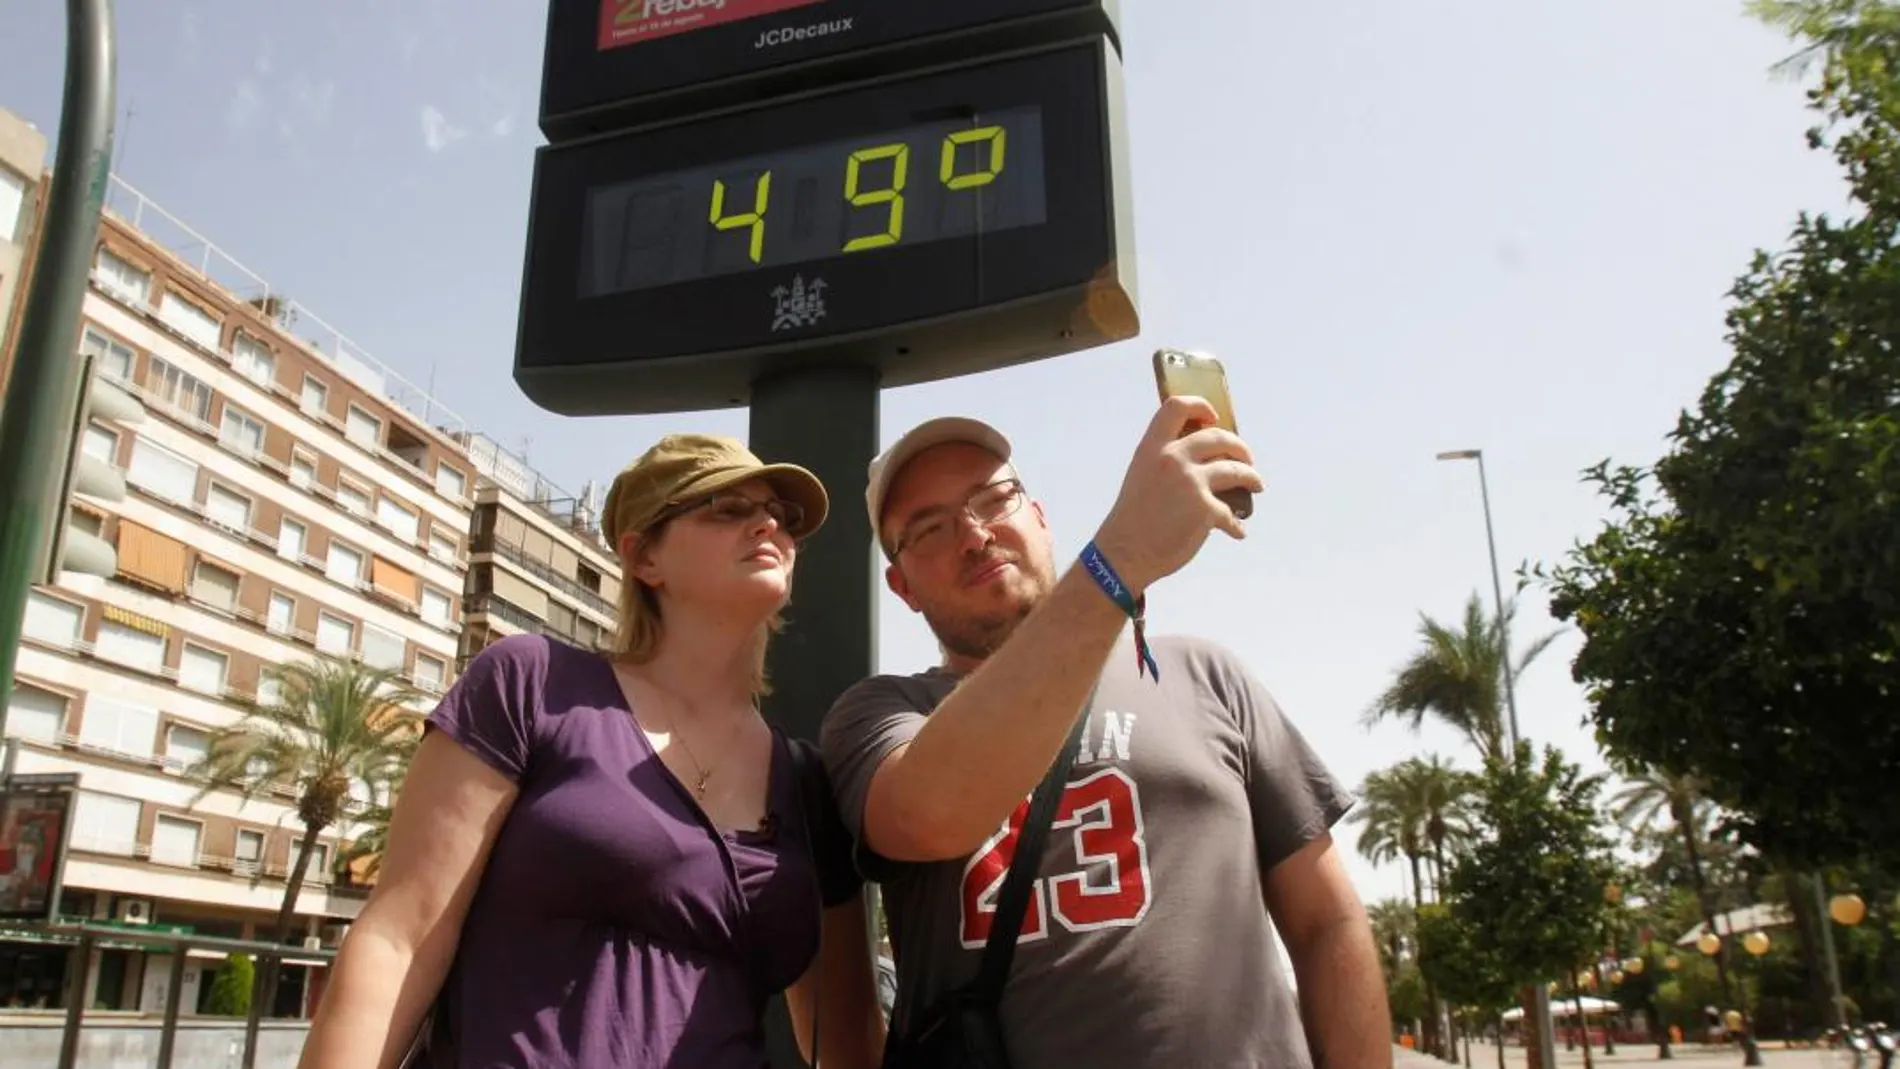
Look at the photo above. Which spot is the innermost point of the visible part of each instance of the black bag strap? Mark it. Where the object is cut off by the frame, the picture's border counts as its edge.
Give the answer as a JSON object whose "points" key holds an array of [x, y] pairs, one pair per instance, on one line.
{"points": [[1013, 899], [805, 772]]}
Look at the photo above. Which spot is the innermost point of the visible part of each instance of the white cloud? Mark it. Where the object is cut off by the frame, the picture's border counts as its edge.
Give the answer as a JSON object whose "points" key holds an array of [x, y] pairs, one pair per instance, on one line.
{"points": [[437, 132], [244, 106], [503, 126], [315, 100]]}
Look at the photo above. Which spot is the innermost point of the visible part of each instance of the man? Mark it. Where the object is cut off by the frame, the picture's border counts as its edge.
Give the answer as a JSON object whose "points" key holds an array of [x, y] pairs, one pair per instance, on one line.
{"points": [[1194, 810]]}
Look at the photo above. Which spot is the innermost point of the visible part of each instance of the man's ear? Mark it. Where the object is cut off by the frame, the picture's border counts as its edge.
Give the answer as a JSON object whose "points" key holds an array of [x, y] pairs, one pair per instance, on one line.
{"points": [[894, 578]]}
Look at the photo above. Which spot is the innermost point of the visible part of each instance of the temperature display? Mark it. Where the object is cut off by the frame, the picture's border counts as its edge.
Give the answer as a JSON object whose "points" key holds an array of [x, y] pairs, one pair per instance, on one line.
{"points": [[895, 188]]}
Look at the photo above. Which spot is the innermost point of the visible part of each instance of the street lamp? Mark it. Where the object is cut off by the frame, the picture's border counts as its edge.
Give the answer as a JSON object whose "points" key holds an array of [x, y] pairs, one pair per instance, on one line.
{"points": [[1497, 583]]}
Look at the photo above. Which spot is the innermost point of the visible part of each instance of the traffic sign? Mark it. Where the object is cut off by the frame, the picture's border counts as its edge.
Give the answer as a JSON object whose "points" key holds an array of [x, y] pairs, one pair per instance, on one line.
{"points": [[936, 223], [608, 64]]}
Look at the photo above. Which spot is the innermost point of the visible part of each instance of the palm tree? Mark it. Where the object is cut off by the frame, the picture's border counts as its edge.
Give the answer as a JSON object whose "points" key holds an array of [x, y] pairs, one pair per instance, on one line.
{"points": [[1445, 794], [1395, 815], [1457, 676], [330, 725], [1392, 930], [1649, 792], [372, 824]]}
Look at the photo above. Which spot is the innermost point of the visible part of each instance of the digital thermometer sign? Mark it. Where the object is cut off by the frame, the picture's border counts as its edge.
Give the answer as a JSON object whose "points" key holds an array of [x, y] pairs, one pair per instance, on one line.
{"points": [[933, 224], [609, 64]]}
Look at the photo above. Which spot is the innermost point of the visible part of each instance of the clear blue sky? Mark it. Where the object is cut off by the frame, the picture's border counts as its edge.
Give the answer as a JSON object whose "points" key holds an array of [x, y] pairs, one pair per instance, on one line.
{"points": [[1404, 228]]}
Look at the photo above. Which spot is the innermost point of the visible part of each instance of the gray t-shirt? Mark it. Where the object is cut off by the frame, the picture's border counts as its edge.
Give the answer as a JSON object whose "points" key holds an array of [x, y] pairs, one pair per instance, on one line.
{"points": [[1147, 941]]}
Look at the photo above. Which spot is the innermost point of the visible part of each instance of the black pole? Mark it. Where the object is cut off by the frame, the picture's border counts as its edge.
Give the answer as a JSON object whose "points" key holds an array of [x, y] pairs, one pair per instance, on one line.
{"points": [[44, 389], [826, 419], [78, 971], [174, 986]]}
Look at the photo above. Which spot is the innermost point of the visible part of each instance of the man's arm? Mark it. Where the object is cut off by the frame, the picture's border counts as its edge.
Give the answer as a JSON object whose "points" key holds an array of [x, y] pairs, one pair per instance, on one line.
{"points": [[991, 741], [1327, 934]]}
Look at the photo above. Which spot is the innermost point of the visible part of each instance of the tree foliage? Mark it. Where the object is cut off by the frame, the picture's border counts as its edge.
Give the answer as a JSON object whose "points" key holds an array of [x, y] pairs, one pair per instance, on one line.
{"points": [[1460, 962], [231, 988], [1741, 611], [1526, 898], [1457, 677]]}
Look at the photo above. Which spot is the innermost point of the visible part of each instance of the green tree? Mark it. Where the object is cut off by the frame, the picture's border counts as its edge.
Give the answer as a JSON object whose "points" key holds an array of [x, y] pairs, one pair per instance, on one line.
{"points": [[1527, 894], [1393, 814], [1464, 965], [1457, 678], [231, 988], [1741, 610], [1394, 931]]}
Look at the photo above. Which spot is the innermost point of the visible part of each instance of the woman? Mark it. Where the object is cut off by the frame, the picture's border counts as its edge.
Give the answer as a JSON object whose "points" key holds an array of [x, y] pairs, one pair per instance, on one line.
{"points": [[612, 862]]}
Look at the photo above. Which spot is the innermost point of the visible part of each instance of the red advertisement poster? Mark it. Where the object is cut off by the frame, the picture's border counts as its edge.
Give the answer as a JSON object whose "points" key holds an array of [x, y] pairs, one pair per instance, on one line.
{"points": [[629, 22], [32, 828]]}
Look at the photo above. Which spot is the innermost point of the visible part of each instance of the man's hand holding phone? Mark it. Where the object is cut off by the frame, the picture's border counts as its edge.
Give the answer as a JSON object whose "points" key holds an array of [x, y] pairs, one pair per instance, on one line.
{"points": [[1170, 497]]}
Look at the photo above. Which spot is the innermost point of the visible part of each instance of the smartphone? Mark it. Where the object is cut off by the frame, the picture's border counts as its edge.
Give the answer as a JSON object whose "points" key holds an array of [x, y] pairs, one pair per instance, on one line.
{"points": [[1179, 372]]}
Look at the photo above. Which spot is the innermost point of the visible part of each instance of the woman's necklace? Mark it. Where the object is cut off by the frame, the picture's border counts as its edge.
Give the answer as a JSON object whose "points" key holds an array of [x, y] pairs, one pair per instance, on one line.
{"points": [[704, 772]]}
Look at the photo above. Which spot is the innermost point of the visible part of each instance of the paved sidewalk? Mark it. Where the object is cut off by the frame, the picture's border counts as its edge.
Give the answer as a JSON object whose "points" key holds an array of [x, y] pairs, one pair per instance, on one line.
{"points": [[1630, 1056]]}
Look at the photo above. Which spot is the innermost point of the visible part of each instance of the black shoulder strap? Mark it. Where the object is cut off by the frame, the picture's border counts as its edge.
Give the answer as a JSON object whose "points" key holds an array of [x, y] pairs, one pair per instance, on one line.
{"points": [[1013, 899], [805, 771]]}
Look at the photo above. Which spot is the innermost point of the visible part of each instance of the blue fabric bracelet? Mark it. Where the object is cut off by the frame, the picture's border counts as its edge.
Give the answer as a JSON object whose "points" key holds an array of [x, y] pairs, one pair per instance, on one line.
{"points": [[1136, 607]]}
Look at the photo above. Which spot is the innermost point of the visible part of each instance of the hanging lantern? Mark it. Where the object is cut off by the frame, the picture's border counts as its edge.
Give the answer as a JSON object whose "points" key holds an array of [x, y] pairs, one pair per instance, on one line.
{"points": [[1755, 943], [1708, 944], [1634, 966], [1733, 1019], [1672, 963], [1847, 909], [1612, 894], [1617, 977]]}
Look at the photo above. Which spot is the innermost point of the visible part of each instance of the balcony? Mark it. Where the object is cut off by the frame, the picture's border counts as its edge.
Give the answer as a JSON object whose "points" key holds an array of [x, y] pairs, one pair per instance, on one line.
{"points": [[515, 555]]}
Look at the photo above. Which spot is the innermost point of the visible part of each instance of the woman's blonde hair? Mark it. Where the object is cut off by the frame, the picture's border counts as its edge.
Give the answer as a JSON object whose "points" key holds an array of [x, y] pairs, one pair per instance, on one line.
{"points": [[640, 630]]}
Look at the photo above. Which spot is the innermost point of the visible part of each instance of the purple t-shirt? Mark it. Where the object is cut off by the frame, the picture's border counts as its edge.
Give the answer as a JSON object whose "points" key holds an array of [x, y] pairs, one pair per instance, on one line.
{"points": [[614, 925]]}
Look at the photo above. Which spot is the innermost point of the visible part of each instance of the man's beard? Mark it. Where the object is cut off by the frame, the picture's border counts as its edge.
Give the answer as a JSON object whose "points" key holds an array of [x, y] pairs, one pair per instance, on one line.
{"points": [[977, 636]]}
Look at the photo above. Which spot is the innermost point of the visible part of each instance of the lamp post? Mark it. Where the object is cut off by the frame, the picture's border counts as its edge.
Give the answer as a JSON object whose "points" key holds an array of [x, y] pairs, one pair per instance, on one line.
{"points": [[1497, 583], [1546, 1036]]}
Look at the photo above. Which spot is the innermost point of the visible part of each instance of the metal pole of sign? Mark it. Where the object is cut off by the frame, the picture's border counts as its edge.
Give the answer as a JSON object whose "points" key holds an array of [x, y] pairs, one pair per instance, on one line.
{"points": [[174, 984], [267, 963], [826, 419], [44, 389], [78, 971]]}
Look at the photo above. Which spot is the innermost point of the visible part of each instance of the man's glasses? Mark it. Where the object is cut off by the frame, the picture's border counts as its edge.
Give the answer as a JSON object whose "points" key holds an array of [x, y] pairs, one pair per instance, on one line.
{"points": [[989, 504], [734, 509]]}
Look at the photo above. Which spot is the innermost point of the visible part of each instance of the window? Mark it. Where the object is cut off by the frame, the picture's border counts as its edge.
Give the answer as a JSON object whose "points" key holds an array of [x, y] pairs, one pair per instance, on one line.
{"points": [[250, 850], [121, 277], [182, 391], [52, 621], [130, 647], [35, 714], [334, 634], [175, 841], [187, 318], [270, 689], [292, 540], [214, 586], [394, 515], [450, 483], [111, 357], [12, 204], [318, 870], [363, 428], [101, 444], [430, 671], [345, 565], [353, 498], [253, 360], [316, 397], [241, 432], [444, 547], [118, 726], [228, 509], [186, 746], [162, 473], [282, 614], [303, 469], [105, 824], [383, 649], [203, 670], [435, 607]]}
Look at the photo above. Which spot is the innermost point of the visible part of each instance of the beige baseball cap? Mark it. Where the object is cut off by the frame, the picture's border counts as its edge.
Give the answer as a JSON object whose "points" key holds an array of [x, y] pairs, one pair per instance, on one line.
{"points": [[681, 466], [885, 469]]}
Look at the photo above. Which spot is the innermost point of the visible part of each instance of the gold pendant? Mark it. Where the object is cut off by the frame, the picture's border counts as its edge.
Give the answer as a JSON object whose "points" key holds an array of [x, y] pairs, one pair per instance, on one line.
{"points": [[700, 787]]}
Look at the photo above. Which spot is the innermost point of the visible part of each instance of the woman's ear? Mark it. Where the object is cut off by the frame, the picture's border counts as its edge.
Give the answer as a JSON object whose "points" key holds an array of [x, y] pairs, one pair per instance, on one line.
{"points": [[636, 559]]}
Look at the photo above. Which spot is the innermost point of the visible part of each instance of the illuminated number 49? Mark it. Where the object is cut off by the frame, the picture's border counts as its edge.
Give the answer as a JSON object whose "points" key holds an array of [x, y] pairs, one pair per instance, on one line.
{"points": [[1103, 814]]}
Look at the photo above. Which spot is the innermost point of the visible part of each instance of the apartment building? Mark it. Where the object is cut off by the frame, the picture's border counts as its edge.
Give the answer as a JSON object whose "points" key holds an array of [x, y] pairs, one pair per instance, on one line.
{"points": [[537, 562], [22, 161], [289, 498]]}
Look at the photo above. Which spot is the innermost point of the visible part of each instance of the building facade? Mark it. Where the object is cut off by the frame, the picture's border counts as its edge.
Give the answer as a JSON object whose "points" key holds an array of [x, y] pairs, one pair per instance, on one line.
{"points": [[22, 162], [285, 502]]}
